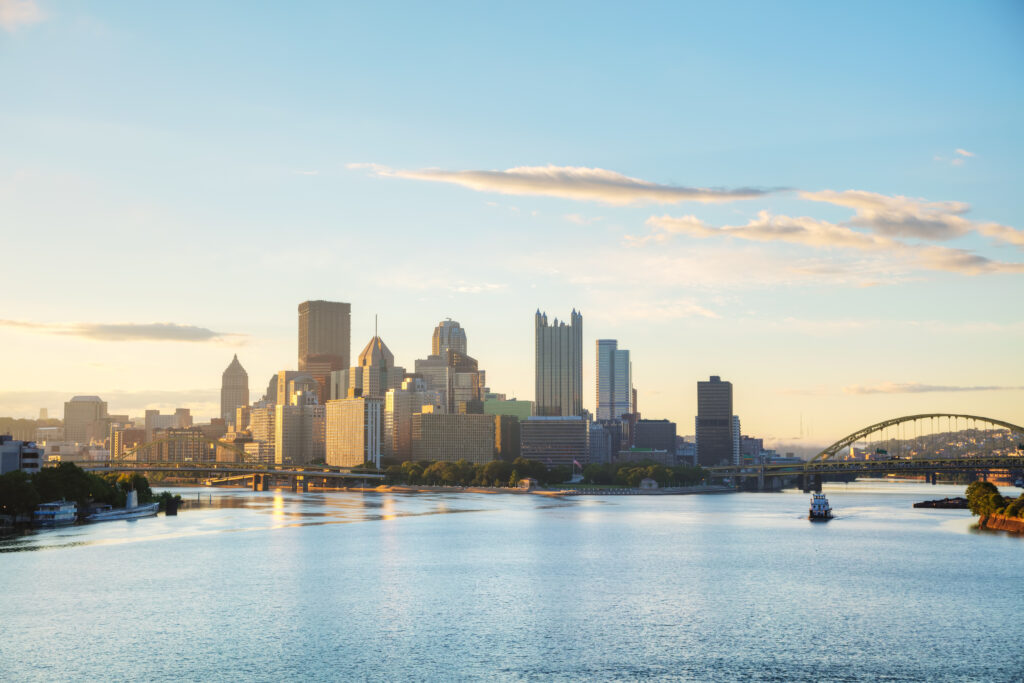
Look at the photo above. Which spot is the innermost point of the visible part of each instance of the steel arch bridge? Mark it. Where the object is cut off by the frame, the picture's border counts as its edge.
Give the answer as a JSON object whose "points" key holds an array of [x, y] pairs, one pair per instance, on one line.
{"points": [[1016, 431], [825, 463]]}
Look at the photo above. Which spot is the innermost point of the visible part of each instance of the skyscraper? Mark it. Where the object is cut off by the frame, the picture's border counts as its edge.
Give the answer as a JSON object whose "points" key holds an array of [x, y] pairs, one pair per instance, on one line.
{"points": [[324, 339], [353, 431], [84, 418], [714, 422], [373, 377], [614, 381], [558, 366], [234, 390], [448, 335]]}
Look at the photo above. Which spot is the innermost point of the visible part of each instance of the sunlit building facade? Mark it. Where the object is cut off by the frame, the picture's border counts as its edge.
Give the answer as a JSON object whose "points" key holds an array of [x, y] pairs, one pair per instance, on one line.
{"points": [[354, 431], [452, 437], [234, 390]]}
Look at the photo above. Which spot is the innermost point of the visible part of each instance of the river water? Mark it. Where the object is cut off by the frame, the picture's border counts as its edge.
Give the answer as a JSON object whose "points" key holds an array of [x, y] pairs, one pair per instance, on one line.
{"points": [[382, 586]]}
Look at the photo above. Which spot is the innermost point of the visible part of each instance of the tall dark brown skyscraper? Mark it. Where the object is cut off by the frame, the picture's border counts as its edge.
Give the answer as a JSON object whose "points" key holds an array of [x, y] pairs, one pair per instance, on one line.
{"points": [[714, 422], [324, 340]]}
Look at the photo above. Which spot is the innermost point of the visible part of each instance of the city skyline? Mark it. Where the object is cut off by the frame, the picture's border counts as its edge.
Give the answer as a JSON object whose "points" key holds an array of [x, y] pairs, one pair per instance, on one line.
{"points": [[838, 260]]}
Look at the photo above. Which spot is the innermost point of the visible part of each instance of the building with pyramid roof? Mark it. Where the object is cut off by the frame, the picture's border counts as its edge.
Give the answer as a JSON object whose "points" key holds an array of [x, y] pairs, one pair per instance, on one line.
{"points": [[234, 390]]}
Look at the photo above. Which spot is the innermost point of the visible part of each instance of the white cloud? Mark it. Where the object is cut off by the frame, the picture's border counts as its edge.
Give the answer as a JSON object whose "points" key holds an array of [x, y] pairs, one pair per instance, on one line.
{"points": [[16, 13], [899, 216], [824, 235], [964, 152], [124, 331], [580, 219], [568, 182], [915, 388]]}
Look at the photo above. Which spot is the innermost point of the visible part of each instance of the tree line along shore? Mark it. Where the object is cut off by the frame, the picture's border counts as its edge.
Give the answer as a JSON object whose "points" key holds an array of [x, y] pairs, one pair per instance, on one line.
{"points": [[993, 509]]}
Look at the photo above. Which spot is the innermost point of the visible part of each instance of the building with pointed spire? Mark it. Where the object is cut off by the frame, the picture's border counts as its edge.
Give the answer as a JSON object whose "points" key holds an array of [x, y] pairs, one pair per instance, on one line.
{"points": [[558, 350], [234, 390], [375, 374]]}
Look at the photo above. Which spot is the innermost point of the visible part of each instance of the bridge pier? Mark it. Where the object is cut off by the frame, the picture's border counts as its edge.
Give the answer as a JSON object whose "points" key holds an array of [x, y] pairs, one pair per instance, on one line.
{"points": [[305, 485], [255, 482], [295, 484]]}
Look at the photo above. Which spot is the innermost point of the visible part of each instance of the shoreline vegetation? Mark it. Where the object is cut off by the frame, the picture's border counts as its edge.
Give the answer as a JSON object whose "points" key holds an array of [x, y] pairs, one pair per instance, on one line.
{"points": [[995, 511], [21, 493]]}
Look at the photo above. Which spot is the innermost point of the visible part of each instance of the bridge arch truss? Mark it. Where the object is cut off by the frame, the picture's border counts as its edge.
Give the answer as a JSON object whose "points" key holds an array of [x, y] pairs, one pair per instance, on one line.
{"points": [[1016, 431]]}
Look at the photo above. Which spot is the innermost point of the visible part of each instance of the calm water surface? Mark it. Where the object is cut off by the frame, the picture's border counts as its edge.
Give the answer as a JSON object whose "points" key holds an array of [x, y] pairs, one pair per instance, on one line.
{"points": [[326, 586]]}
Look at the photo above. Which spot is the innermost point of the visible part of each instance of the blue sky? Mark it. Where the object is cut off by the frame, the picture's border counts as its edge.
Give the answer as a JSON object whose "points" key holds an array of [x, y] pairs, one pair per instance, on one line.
{"points": [[208, 167]]}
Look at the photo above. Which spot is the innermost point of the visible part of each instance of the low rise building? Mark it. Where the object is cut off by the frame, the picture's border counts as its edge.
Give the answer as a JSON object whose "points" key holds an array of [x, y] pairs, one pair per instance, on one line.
{"points": [[555, 440], [19, 455], [452, 437]]}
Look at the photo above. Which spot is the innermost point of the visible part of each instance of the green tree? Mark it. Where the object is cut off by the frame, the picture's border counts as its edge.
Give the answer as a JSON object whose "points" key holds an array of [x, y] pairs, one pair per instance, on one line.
{"points": [[17, 494]]}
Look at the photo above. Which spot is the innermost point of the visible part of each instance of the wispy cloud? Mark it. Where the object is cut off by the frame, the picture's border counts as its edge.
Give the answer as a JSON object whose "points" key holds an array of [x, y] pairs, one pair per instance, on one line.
{"points": [[569, 182], [17, 13], [964, 152], [812, 232], [899, 216], [915, 388], [119, 332], [580, 219]]}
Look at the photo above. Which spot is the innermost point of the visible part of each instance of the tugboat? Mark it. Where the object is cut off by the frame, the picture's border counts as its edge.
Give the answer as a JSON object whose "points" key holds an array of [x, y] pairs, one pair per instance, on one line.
{"points": [[820, 510]]}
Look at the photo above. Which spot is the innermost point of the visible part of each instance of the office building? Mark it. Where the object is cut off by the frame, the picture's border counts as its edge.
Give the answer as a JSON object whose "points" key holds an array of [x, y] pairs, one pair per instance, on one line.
{"points": [[353, 431], [234, 390], [656, 434], [124, 440], [714, 422], [181, 418], [242, 417], [19, 455], [375, 374], [399, 407], [448, 336], [452, 437], [187, 444], [85, 419], [261, 423], [601, 444], [520, 409], [507, 437], [291, 382], [456, 378], [299, 429], [555, 440], [324, 340], [736, 439], [558, 353], [260, 452], [614, 381]]}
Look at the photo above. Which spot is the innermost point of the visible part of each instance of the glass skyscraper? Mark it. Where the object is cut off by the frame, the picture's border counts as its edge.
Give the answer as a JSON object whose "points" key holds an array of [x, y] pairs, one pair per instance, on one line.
{"points": [[559, 366], [614, 381]]}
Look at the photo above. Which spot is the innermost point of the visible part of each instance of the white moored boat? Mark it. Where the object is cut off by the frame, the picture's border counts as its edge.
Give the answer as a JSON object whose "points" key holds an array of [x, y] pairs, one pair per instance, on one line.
{"points": [[820, 510], [57, 513], [132, 510]]}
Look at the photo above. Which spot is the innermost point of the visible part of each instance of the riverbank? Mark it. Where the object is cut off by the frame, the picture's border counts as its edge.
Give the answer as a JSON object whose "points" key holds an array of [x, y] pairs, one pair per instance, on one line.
{"points": [[1013, 525]]}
